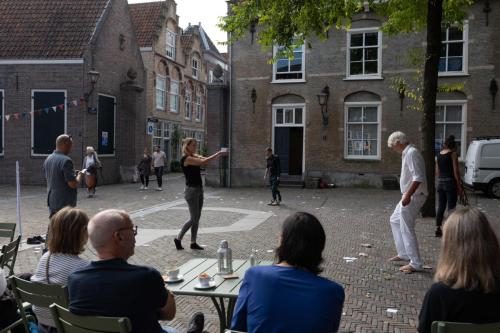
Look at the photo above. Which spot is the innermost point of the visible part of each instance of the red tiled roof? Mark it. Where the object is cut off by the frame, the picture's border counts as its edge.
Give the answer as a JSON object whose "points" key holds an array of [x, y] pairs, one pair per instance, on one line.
{"points": [[147, 19], [47, 29], [186, 41]]}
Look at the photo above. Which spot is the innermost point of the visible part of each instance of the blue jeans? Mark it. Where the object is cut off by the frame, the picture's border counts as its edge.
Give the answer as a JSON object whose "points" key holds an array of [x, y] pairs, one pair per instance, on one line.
{"points": [[447, 196], [274, 182]]}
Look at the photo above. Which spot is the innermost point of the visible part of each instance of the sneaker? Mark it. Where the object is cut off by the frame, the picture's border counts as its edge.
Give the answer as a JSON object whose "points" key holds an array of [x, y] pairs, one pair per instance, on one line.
{"points": [[195, 246], [196, 323], [178, 244], [439, 232], [142, 187], [159, 189], [145, 187], [272, 203], [278, 202]]}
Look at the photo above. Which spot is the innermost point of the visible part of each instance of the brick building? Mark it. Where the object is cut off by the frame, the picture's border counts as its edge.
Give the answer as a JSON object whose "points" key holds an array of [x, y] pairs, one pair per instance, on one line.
{"points": [[177, 76], [50, 51], [277, 104]]}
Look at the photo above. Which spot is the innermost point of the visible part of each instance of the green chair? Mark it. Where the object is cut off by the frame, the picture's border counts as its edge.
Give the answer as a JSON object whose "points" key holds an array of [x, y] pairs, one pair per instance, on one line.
{"points": [[7, 230], [67, 322], [449, 327], [29, 293], [8, 255]]}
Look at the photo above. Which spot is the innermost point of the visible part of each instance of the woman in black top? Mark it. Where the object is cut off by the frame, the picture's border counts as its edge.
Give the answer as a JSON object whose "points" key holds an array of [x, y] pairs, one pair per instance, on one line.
{"points": [[144, 168], [467, 287], [190, 163], [449, 187]]}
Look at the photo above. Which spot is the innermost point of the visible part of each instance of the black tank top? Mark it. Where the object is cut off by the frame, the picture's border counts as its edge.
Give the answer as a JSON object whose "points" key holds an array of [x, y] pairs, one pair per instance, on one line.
{"points": [[192, 173], [445, 165]]}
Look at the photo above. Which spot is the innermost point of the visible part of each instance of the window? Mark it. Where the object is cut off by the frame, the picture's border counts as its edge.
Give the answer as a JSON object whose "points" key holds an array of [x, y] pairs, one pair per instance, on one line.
{"points": [[198, 107], [1, 122], [160, 92], [174, 96], [195, 63], [364, 53], [48, 121], [188, 104], [362, 130], [170, 44], [454, 50], [289, 116], [210, 76], [450, 120], [199, 140], [285, 69], [161, 135], [106, 112]]}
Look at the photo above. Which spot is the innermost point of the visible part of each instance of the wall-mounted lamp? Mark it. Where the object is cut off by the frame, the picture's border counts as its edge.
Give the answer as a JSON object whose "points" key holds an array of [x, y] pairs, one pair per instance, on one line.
{"points": [[493, 92], [401, 93], [323, 102], [94, 77], [253, 96]]}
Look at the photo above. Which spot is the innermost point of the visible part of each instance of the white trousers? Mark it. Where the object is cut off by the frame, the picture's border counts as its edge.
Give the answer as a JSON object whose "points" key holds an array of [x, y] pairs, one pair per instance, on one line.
{"points": [[403, 230]]}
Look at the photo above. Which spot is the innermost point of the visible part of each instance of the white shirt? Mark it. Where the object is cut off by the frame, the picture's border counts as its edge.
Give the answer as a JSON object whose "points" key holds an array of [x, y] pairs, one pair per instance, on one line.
{"points": [[413, 170], [159, 159]]}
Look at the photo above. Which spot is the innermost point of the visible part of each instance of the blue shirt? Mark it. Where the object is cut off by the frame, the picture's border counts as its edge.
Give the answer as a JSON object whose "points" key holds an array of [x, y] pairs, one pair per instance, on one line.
{"points": [[117, 289], [285, 299]]}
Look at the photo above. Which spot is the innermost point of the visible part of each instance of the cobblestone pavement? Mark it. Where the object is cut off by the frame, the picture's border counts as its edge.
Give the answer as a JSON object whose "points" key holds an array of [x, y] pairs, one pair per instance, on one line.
{"points": [[351, 217]]}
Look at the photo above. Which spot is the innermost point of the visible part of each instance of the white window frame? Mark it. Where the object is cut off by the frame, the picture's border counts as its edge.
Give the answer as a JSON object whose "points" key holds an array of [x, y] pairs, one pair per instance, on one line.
{"points": [[463, 138], [170, 49], [33, 113], [174, 96], [374, 76], [465, 53], [303, 71], [195, 67], [188, 104], [198, 112], [379, 129], [114, 124], [2, 102], [160, 91], [293, 106]]}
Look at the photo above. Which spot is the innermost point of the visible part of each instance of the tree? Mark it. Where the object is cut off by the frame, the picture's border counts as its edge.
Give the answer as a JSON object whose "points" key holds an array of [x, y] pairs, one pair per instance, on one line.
{"points": [[290, 22]]}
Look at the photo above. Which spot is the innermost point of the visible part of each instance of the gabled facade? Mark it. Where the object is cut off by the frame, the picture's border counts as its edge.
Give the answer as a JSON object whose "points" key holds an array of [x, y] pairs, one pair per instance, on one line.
{"points": [[48, 51], [176, 76], [359, 66]]}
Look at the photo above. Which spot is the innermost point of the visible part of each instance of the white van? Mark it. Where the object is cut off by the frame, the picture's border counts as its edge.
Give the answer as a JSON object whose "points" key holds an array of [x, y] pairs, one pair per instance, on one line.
{"points": [[482, 165]]}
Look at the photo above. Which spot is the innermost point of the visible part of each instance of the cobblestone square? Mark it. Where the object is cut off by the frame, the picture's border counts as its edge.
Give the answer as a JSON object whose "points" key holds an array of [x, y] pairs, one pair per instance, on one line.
{"points": [[351, 217]]}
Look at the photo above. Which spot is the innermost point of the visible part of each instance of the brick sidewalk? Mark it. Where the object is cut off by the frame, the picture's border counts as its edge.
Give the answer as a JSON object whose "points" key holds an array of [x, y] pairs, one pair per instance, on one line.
{"points": [[351, 217]]}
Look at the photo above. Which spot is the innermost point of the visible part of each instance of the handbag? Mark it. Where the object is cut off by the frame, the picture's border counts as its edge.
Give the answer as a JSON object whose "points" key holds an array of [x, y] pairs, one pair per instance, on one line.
{"points": [[463, 199]]}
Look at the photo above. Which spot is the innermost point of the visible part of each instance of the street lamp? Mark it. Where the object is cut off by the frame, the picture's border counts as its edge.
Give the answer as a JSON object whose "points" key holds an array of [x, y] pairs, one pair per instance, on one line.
{"points": [[323, 102], [94, 77]]}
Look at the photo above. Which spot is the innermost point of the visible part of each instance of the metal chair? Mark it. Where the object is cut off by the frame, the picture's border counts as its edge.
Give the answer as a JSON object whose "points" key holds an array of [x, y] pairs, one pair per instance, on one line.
{"points": [[8, 255], [450, 327], [29, 293], [67, 322], [7, 230]]}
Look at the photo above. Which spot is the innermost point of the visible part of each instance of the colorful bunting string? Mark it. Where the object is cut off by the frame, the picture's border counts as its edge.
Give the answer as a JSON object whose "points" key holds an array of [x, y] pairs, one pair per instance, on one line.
{"points": [[55, 108]]}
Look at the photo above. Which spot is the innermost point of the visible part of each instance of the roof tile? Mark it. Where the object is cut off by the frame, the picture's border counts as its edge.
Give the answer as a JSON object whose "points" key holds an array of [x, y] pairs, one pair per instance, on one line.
{"points": [[147, 19]]}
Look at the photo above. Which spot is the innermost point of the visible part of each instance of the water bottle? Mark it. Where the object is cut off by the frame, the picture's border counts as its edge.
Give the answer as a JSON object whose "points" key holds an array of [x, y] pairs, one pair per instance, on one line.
{"points": [[252, 259], [225, 258]]}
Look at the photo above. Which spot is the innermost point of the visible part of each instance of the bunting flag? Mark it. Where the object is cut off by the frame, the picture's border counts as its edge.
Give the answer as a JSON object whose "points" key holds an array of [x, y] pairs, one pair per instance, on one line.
{"points": [[55, 108]]}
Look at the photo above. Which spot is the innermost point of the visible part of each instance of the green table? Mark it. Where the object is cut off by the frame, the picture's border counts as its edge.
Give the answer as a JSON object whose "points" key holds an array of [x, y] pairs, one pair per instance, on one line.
{"points": [[223, 289]]}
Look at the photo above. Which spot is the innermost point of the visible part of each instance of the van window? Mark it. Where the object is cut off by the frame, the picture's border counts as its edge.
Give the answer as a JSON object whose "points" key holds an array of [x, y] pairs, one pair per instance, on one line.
{"points": [[490, 156]]}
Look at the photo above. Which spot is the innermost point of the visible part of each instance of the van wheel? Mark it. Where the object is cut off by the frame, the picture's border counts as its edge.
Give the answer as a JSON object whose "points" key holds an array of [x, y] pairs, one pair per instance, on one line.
{"points": [[494, 188]]}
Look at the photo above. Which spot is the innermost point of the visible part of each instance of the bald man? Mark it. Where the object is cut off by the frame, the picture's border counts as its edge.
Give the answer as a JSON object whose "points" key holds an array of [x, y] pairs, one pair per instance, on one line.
{"points": [[62, 179], [112, 287]]}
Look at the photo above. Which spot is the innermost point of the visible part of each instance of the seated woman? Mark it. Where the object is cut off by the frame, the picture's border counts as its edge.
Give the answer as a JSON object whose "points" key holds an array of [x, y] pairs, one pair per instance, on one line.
{"points": [[68, 236], [290, 296], [467, 287]]}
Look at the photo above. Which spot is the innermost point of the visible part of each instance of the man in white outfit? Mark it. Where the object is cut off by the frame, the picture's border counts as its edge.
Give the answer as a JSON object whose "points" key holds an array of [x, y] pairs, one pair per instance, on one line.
{"points": [[413, 186]]}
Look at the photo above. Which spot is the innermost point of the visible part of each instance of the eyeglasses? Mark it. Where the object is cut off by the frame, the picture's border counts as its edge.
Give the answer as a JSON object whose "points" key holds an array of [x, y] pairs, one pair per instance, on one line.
{"points": [[133, 228]]}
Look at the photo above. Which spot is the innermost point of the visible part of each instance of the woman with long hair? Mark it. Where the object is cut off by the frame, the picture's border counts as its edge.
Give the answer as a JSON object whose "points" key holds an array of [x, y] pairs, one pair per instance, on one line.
{"points": [[467, 280], [67, 239], [90, 164], [449, 182], [144, 168], [191, 163], [290, 296]]}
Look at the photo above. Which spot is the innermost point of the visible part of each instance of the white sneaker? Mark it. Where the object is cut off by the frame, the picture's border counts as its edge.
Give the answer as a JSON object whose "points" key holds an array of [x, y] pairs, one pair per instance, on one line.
{"points": [[145, 187], [159, 189], [142, 187]]}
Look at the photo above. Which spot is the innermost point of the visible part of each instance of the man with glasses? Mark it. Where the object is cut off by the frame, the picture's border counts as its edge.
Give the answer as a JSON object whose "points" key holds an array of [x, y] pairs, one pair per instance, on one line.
{"points": [[112, 287]]}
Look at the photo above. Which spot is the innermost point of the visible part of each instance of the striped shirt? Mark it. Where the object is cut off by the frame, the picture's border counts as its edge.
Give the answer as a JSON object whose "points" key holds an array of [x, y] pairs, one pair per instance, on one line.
{"points": [[60, 267]]}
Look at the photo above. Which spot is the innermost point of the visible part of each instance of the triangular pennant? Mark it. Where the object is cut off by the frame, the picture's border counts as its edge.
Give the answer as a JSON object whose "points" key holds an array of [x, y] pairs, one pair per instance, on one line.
{"points": [[24, 115], [54, 108], [16, 115], [46, 110], [32, 113], [75, 103], [61, 106], [7, 117]]}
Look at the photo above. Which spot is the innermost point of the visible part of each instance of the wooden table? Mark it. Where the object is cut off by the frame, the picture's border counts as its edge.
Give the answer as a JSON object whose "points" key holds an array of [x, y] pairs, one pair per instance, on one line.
{"points": [[223, 289]]}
